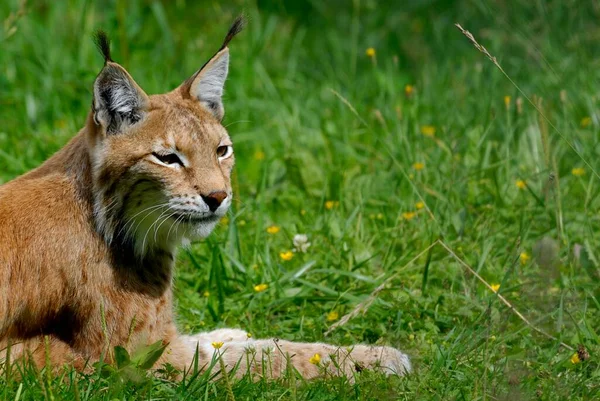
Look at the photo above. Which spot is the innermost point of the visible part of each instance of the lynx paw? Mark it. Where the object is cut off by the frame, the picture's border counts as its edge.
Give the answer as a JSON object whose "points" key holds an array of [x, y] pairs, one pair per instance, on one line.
{"points": [[385, 359]]}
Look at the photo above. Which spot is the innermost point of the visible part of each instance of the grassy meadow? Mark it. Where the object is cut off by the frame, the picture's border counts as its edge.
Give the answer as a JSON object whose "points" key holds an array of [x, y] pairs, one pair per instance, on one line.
{"points": [[451, 212]]}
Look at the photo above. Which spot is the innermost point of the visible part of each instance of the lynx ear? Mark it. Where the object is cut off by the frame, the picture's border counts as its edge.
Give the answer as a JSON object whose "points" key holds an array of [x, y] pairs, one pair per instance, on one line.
{"points": [[118, 101], [207, 84]]}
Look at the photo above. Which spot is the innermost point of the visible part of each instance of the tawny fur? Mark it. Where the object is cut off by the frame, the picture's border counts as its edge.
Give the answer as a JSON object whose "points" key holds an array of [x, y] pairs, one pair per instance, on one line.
{"points": [[87, 250]]}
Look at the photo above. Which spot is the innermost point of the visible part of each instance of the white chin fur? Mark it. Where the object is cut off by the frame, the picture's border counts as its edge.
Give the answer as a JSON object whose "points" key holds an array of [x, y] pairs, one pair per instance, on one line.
{"points": [[202, 230], [171, 235], [196, 232]]}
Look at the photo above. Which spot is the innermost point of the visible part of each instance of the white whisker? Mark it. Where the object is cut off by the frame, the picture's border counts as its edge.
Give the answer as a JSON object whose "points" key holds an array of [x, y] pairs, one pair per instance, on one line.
{"points": [[132, 221], [165, 219], [152, 225], [175, 222]]}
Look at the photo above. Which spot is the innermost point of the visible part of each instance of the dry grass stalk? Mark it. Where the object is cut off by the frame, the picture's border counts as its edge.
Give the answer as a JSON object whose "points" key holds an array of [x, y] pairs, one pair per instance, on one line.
{"points": [[500, 297], [364, 305], [493, 59], [479, 47]]}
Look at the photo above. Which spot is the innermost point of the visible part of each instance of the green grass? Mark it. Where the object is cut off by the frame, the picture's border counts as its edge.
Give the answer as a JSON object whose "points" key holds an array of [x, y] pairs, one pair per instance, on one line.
{"points": [[336, 125]]}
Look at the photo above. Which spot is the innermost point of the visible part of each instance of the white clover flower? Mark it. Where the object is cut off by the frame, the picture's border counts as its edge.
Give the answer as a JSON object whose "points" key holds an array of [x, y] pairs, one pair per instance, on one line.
{"points": [[301, 243]]}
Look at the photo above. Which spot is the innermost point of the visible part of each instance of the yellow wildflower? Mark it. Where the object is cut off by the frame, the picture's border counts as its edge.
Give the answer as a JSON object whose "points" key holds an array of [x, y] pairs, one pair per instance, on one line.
{"points": [[408, 215], [585, 121], [524, 257], [575, 359], [418, 166], [331, 204], [217, 344], [288, 255], [420, 205], [495, 287], [315, 359], [248, 335], [578, 172], [259, 155], [521, 184], [333, 315], [260, 287], [379, 216], [206, 294], [507, 101], [428, 130], [273, 229], [370, 52], [408, 90]]}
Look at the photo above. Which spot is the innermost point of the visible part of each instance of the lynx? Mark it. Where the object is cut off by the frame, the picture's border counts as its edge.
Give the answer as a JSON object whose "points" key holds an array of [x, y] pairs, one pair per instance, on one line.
{"points": [[88, 239]]}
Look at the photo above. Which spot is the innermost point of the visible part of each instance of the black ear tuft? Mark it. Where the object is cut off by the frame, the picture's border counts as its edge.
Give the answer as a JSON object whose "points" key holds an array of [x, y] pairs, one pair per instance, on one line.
{"points": [[236, 28], [207, 84], [103, 44]]}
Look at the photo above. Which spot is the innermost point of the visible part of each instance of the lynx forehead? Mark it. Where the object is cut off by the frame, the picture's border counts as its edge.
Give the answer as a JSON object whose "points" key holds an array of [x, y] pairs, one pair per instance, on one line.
{"points": [[87, 240]]}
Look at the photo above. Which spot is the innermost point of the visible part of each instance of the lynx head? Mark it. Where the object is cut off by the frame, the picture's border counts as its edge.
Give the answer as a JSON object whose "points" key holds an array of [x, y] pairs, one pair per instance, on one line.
{"points": [[161, 164]]}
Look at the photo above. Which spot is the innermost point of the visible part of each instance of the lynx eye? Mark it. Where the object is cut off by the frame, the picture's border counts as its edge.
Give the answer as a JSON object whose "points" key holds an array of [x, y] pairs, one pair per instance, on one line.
{"points": [[168, 158], [223, 152]]}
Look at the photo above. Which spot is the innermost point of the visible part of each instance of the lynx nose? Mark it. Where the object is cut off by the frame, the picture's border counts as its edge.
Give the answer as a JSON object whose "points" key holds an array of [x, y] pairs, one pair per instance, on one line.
{"points": [[214, 199]]}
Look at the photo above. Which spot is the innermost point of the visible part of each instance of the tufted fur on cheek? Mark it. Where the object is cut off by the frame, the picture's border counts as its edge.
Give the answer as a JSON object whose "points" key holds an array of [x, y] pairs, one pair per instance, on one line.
{"points": [[118, 101]]}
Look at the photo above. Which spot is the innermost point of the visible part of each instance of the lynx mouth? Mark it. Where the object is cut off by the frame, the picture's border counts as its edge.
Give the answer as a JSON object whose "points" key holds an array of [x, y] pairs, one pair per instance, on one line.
{"points": [[194, 219]]}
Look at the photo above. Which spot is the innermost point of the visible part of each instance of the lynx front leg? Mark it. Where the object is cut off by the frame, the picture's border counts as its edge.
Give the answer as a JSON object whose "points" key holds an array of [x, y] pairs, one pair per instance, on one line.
{"points": [[270, 358], [46, 352], [221, 335], [181, 349]]}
